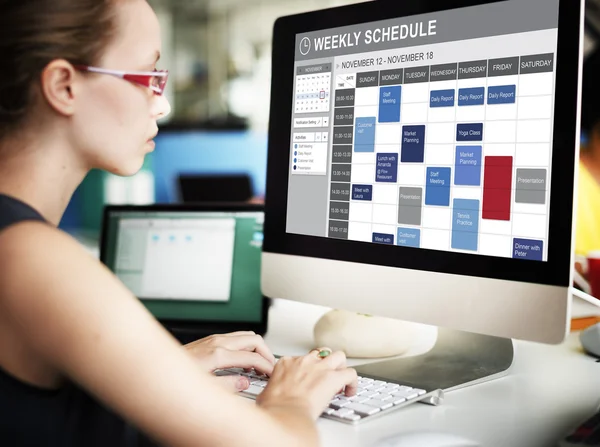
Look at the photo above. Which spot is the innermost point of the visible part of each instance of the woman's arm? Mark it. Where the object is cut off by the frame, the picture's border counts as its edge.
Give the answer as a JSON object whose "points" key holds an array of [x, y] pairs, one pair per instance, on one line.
{"points": [[78, 317]]}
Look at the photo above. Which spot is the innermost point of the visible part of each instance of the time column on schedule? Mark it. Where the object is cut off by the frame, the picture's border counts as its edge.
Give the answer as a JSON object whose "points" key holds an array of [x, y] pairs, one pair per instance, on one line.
{"points": [[341, 156]]}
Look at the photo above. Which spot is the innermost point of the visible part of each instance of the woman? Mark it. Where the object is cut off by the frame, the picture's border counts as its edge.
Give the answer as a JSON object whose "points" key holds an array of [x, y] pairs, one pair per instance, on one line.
{"points": [[79, 355]]}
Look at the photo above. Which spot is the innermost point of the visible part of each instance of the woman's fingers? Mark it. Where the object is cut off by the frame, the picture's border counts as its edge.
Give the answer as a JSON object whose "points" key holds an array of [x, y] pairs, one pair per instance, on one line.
{"points": [[246, 342], [232, 383], [336, 360], [225, 358], [346, 379]]}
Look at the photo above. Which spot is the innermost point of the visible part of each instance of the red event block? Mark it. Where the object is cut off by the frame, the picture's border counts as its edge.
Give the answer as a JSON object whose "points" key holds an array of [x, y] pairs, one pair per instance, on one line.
{"points": [[497, 188]]}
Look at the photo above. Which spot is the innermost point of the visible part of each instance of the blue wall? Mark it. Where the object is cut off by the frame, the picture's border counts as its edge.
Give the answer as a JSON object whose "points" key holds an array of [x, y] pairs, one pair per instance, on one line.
{"points": [[207, 152]]}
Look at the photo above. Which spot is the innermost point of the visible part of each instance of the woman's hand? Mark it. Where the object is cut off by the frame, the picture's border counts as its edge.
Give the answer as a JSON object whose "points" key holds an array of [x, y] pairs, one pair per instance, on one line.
{"points": [[235, 350], [309, 381]]}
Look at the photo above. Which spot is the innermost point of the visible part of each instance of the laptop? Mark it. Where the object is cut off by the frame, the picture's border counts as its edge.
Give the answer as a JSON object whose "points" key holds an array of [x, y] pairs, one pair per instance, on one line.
{"points": [[196, 267]]}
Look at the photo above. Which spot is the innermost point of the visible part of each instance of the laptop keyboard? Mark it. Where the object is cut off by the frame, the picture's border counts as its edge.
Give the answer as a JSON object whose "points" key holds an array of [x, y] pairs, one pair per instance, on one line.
{"points": [[373, 397]]}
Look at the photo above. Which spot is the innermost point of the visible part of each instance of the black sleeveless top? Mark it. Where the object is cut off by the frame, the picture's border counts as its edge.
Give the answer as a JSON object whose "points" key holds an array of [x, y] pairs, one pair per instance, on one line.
{"points": [[68, 416]]}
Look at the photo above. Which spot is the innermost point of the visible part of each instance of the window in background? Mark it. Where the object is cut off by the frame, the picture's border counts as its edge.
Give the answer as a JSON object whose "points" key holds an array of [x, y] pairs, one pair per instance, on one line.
{"points": [[219, 55]]}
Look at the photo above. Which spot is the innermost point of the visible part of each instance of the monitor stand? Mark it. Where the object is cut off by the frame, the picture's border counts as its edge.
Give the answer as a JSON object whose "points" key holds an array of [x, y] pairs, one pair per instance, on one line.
{"points": [[458, 359]]}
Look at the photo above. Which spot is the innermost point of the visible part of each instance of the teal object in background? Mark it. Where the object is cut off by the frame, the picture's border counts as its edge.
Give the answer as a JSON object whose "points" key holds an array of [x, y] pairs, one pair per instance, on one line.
{"points": [[84, 213]]}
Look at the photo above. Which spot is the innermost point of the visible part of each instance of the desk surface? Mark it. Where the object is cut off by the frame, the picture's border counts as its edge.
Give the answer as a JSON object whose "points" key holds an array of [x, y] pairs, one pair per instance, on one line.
{"points": [[548, 390]]}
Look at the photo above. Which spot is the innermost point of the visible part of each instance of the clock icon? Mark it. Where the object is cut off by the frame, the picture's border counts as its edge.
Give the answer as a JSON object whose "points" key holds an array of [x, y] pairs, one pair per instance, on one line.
{"points": [[305, 46]]}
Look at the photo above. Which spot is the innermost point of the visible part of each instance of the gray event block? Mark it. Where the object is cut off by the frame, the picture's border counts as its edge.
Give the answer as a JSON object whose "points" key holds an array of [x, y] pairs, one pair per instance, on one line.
{"points": [[415, 75], [538, 63], [410, 202], [340, 191], [338, 229], [531, 186], [503, 67], [531, 179], [444, 72], [530, 196], [472, 70], [409, 215], [391, 77], [339, 210], [410, 196]]}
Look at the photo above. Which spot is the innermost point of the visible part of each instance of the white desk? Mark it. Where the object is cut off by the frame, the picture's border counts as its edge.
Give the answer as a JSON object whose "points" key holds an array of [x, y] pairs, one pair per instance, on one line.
{"points": [[548, 390]]}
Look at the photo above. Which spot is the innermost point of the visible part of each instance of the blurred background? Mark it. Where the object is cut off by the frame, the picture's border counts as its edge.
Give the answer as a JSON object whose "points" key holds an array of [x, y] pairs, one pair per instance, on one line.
{"points": [[213, 145], [218, 53]]}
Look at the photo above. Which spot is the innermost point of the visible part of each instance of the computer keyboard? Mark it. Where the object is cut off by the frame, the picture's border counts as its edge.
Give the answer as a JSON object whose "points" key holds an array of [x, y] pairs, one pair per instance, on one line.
{"points": [[586, 434], [374, 398]]}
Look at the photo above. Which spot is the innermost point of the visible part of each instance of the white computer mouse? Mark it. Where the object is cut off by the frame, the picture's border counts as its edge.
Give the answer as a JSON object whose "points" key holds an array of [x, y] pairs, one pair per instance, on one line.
{"points": [[590, 339], [426, 439]]}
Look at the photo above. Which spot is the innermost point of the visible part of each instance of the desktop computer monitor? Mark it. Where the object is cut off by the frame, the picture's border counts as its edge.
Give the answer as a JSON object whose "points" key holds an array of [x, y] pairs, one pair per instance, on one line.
{"points": [[421, 162]]}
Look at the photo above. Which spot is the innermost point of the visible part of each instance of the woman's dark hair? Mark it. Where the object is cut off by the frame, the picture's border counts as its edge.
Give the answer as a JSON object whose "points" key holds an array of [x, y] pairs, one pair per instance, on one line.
{"points": [[35, 32]]}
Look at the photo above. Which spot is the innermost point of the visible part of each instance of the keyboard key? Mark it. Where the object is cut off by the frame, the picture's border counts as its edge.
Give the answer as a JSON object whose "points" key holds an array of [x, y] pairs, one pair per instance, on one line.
{"points": [[377, 388], [254, 390], [382, 405], [352, 417], [362, 409], [342, 413], [328, 411], [338, 403], [370, 394]]}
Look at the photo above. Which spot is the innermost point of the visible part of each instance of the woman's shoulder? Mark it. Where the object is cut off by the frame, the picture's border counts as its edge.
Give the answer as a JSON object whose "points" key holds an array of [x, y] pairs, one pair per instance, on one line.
{"points": [[33, 253]]}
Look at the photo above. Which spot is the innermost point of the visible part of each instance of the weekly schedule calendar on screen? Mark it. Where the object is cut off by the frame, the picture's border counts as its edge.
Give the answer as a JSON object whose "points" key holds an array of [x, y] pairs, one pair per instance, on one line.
{"points": [[405, 136]]}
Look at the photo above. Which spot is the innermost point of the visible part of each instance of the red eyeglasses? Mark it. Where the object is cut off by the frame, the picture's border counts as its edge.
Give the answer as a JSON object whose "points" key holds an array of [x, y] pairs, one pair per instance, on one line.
{"points": [[154, 80]]}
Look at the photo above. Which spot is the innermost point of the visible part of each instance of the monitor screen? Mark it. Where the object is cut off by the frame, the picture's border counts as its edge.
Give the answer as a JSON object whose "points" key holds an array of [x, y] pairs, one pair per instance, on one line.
{"points": [[432, 131], [189, 265]]}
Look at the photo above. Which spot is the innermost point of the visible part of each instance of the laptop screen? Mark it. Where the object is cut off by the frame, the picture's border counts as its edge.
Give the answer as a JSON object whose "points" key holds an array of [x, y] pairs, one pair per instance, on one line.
{"points": [[189, 265]]}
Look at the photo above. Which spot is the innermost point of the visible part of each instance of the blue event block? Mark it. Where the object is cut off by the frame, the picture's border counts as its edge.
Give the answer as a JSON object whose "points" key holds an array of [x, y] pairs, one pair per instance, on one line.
{"points": [[380, 238], [362, 192], [469, 132], [529, 249], [409, 237], [502, 94], [468, 166], [465, 224], [442, 98], [471, 96], [389, 104], [437, 190], [364, 138], [387, 168], [413, 144]]}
